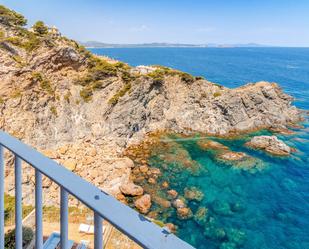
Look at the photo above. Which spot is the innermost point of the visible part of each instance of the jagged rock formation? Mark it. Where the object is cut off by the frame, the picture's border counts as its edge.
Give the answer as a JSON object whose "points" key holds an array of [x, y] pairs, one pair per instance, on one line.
{"points": [[54, 93], [270, 144]]}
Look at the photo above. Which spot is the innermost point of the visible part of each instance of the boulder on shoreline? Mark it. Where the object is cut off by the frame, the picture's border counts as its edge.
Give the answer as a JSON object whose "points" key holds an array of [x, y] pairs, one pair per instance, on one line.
{"points": [[270, 144], [143, 203], [131, 189]]}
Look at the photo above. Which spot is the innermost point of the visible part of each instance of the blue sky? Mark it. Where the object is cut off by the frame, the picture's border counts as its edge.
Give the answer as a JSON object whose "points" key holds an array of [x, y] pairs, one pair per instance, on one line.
{"points": [[273, 22]]}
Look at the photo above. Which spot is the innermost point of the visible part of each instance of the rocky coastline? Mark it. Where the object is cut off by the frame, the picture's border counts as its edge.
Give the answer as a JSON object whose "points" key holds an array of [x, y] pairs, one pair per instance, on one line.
{"points": [[101, 119]]}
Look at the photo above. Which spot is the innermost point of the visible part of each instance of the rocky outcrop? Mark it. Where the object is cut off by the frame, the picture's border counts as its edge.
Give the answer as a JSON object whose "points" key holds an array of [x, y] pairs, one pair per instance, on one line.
{"points": [[270, 144], [143, 203], [131, 189]]}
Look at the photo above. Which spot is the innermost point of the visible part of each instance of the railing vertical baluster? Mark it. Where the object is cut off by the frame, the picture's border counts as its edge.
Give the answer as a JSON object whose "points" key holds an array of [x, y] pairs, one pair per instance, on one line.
{"points": [[1, 198], [98, 231], [18, 204], [38, 211], [64, 219]]}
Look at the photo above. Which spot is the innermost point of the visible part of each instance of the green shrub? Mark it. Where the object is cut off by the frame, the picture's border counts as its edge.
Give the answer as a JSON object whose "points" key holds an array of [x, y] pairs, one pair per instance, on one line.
{"points": [[16, 94], [161, 71], [36, 76], [9, 207], [40, 28], [114, 100], [217, 94], [199, 78], [99, 70], [2, 34], [15, 40], [67, 97], [157, 76], [32, 43], [127, 77], [121, 65], [103, 69], [188, 78], [18, 59], [54, 111], [86, 94], [10, 17], [10, 238], [29, 41], [84, 81], [45, 84], [97, 85]]}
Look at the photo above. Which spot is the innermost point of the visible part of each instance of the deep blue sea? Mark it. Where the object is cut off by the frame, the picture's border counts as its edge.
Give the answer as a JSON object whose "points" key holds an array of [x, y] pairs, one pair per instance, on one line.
{"points": [[266, 208]]}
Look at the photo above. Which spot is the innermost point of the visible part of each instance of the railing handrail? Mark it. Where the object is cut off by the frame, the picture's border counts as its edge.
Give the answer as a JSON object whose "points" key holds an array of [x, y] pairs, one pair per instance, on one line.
{"points": [[127, 220]]}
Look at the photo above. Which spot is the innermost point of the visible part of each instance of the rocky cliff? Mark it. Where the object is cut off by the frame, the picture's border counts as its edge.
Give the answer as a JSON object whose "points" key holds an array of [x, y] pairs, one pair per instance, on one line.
{"points": [[83, 110]]}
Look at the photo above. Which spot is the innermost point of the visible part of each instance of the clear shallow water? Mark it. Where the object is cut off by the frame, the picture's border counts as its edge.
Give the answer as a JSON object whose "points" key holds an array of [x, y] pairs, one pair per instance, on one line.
{"points": [[268, 208]]}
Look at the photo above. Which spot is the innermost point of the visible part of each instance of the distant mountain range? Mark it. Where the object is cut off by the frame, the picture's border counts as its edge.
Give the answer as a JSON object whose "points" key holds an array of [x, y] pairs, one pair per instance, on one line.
{"points": [[96, 44]]}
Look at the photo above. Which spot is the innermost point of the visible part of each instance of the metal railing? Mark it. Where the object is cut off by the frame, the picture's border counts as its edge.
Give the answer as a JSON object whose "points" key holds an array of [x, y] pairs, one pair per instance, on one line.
{"points": [[104, 206]]}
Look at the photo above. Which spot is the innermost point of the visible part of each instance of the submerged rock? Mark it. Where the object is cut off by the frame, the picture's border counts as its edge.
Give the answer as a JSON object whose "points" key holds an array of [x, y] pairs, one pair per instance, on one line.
{"points": [[232, 156], [214, 233], [172, 193], [193, 194], [179, 203], [184, 213], [131, 189], [209, 144], [143, 203], [236, 236], [228, 245], [165, 184], [270, 144], [241, 161], [162, 202], [222, 208], [237, 207], [201, 215]]}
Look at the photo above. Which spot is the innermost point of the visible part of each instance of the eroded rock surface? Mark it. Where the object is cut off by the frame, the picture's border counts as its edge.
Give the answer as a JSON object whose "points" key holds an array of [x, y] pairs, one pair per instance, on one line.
{"points": [[270, 144], [143, 203], [131, 189]]}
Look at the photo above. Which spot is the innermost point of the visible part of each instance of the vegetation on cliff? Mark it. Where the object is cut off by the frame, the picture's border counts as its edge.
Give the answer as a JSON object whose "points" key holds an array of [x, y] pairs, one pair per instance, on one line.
{"points": [[10, 17]]}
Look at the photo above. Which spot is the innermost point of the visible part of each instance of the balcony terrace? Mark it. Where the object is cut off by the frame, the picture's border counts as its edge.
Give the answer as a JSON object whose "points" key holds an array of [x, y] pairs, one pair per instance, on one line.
{"points": [[103, 206]]}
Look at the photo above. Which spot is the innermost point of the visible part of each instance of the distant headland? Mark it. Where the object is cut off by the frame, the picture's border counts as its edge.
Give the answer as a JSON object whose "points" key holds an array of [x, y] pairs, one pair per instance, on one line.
{"points": [[97, 44]]}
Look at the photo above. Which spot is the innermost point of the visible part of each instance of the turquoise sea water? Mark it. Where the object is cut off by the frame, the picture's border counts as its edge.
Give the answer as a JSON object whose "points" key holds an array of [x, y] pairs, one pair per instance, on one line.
{"points": [[266, 208]]}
